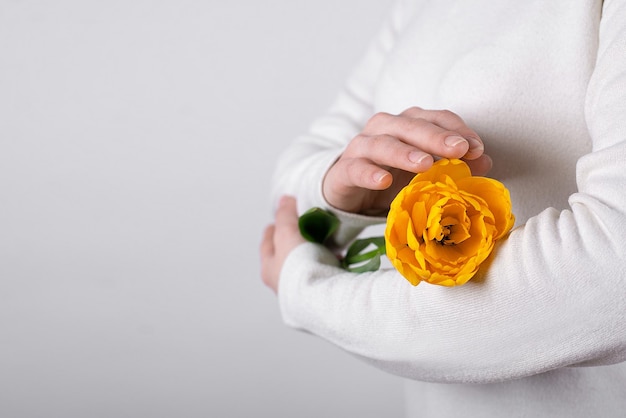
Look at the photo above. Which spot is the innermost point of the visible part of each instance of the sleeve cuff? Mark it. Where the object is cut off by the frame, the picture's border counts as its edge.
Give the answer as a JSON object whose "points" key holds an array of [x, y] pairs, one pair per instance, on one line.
{"points": [[351, 224]]}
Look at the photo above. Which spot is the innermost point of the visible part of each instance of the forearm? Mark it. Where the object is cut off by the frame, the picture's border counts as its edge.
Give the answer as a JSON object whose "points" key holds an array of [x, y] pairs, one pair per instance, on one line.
{"points": [[532, 309], [551, 296]]}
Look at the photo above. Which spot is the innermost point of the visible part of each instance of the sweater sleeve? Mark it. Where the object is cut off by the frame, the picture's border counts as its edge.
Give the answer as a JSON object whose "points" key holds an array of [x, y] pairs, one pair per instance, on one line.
{"points": [[553, 295], [302, 166]]}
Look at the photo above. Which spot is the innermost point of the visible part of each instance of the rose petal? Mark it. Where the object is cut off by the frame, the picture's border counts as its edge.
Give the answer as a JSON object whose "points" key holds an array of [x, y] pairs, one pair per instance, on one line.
{"points": [[455, 169]]}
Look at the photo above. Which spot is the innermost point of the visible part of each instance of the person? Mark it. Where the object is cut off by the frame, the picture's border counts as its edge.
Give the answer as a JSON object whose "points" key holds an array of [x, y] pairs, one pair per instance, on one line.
{"points": [[535, 94]]}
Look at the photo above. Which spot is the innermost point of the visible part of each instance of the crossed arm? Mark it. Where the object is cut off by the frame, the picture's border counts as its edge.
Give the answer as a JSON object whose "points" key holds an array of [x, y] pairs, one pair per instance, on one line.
{"points": [[375, 165]]}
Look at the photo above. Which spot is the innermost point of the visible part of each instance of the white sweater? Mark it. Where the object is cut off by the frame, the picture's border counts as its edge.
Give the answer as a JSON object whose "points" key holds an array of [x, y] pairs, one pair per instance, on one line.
{"points": [[543, 333]]}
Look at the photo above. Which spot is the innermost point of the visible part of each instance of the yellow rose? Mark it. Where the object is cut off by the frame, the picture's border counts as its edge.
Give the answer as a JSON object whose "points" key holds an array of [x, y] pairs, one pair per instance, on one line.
{"points": [[444, 224]]}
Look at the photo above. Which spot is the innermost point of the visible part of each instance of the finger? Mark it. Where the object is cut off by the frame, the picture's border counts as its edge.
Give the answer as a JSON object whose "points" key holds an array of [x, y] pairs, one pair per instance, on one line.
{"points": [[267, 242], [481, 165], [386, 150], [287, 212], [453, 122], [426, 134], [361, 173], [267, 251], [420, 133], [287, 234]]}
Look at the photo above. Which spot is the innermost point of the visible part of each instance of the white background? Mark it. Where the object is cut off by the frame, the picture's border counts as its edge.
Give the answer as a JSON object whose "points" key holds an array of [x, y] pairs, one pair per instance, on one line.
{"points": [[137, 142]]}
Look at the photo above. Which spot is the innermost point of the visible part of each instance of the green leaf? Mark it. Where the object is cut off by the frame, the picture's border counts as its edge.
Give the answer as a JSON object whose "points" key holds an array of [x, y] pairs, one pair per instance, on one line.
{"points": [[372, 265], [361, 244], [359, 258], [317, 225], [358, 261]]}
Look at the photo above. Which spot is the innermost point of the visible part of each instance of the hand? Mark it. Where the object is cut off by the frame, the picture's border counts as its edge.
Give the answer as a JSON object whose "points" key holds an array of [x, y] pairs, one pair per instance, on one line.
{"points": [[385, 156], [278, 241]]}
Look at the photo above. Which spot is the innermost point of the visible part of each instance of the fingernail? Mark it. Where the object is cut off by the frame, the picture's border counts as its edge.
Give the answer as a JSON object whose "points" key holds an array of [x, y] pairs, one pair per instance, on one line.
{"points": [[488, 159], [417, 157], [453, 141], [379, 176], [475, 144]]}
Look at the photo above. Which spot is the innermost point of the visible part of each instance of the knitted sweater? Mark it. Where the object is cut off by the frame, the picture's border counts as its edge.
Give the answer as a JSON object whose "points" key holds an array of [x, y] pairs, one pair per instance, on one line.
{"points": [[543, 333]]}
